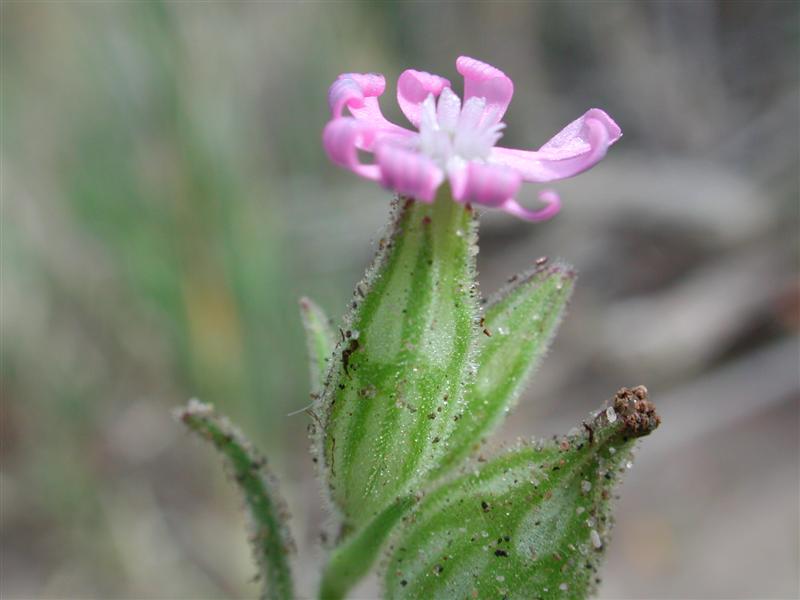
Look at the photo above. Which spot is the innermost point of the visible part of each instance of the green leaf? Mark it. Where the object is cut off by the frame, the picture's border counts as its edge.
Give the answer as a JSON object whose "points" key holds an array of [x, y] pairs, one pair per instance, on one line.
{"points": [[398, 388], [519, 324], [272, 543], [352, 560], [529, 524], [320, 340]]}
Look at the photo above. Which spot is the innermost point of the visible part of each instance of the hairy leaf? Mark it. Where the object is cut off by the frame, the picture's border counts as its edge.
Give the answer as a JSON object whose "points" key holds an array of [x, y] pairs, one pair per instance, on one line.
{"points": [[320, 340], [398, 389], [352, 560], [529, 524], [519, 324], [272, 543]]}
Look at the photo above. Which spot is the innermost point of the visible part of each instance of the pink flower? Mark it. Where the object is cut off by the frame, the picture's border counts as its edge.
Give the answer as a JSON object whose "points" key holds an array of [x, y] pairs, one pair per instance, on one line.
{"points": [[455, 140]]}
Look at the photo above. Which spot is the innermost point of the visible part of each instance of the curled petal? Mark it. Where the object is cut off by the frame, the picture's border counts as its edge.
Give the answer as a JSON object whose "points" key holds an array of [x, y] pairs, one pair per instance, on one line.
{"points": [[576, 148], [549, 197], [408, 172], [413, 87], [574, 135], [497, 186], [485, 81], [358, 92], [490, 185], [351, 89], [342, 138]]}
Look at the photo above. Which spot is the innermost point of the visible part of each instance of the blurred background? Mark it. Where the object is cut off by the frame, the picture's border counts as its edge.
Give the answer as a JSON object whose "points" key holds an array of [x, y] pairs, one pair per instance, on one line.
{"points": [[165, 200]]}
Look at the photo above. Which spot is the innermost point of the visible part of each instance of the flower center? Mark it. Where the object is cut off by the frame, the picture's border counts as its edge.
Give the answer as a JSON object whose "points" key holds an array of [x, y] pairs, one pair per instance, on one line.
{"points": [[450, 134]]}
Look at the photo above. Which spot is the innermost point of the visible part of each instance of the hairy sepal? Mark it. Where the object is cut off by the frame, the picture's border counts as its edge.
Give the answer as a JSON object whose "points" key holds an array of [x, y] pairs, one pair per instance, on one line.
{"points": [[519, 323], [532, 523], [404, 361]]}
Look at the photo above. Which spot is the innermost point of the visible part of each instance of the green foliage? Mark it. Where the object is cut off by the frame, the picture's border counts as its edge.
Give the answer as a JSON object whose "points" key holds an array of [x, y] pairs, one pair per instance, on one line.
{"points": [[397, 392], [519, 323], [271, 540], [529, 524], [419, 378], [407, 391], [350, 561]]}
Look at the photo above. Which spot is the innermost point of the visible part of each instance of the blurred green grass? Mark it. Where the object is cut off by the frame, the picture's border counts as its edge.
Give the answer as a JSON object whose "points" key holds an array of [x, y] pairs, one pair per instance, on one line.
{"points": [[151, 242]]}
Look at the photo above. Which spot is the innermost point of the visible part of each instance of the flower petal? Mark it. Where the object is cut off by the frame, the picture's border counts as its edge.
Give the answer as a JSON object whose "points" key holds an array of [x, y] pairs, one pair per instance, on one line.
{"points": [[358, 92], [485, 81], [481, 183], [351, 89], [576, 148], [408, 172], [496, 186], [413, 87], [342, 138], [549, 197]]}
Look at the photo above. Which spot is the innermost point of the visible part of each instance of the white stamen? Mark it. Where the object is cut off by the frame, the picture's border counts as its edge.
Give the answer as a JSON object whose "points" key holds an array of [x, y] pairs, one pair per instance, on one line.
{"points": [[452, 134]]}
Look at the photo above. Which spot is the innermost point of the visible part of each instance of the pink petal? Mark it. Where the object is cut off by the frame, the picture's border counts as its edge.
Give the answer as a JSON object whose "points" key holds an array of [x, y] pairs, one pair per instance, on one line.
{"points": [[350, 89], [481, 183], [358, 92], [496, 186], [342, 138], [412, 89], [408, 172], [549, 197], [485, 81], [576, 148]]}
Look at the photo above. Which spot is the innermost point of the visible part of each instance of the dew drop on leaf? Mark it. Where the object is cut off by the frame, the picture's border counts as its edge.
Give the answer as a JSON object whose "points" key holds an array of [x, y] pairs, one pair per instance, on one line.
{"points": [[595, 537]]}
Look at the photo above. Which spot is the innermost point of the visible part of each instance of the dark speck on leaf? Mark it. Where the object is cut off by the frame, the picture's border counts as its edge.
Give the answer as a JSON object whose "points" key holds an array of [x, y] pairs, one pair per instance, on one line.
{"points": [[502, 553]]}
